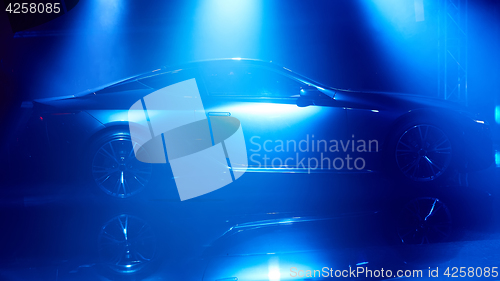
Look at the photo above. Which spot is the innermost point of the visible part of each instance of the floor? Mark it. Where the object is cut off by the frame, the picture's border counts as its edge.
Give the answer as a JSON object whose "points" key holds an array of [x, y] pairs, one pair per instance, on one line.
{"points": [[56, 232]]}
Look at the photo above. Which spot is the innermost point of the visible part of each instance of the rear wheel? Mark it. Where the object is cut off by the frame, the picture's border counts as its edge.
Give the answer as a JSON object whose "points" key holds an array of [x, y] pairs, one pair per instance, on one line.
{"points": [[114, 168]]}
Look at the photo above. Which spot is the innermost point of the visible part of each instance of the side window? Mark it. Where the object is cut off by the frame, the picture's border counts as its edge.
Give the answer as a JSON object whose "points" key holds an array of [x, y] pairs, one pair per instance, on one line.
{"points": [[166, 79], [224, 81], [249, 81]]}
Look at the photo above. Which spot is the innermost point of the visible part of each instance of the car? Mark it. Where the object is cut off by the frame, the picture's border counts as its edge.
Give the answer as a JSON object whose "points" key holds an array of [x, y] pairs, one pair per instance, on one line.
{"points": [[291, 124]]}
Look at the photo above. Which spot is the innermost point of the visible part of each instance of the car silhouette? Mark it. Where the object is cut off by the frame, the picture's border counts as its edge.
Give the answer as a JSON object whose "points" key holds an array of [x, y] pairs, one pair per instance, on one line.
{"points": [[291, 125]]}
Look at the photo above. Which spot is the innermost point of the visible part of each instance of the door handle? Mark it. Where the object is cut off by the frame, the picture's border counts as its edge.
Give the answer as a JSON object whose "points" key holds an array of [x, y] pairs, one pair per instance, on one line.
{"points": [[219, 114]]}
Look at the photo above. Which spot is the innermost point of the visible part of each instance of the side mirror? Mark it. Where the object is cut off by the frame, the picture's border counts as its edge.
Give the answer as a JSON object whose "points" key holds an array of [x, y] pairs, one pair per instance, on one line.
{"points": [[307, 96], [310, 92]]}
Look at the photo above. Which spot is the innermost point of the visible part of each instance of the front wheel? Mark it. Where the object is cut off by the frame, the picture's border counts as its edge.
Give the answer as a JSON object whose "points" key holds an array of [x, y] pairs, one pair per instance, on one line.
{"points": [[115, 169], [423, 152]]}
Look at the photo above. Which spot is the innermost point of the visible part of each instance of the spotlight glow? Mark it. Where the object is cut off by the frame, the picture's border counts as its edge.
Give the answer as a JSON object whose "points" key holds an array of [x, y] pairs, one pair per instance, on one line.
{"points": [[497, 114], [419, 10], [226, 28], [274, 270]]}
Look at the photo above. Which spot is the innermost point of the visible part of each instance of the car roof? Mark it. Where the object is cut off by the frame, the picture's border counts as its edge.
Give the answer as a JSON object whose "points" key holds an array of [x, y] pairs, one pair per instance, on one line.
{"points": [[207, 62]]}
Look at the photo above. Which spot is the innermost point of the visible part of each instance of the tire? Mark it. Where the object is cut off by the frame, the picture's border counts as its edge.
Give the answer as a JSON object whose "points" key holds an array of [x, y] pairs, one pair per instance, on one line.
{"points": [[422, 151], [113, 168]]}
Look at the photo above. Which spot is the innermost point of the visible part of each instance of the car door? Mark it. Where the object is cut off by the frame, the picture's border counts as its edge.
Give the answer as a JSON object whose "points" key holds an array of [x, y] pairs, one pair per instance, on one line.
{"points": [[279, 135], [285, 144]]}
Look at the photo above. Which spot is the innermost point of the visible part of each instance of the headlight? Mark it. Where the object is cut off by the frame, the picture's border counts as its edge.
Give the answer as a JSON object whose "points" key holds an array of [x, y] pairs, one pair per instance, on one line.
{"points": [[474, 117]]}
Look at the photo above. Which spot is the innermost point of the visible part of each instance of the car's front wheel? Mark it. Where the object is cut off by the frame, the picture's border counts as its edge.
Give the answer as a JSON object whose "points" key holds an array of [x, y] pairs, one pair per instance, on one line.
{"points": [[115, 170], [423, 152]]}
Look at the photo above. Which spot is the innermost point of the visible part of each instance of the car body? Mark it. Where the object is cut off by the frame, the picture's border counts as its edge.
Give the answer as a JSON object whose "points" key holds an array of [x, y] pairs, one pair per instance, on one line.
{"points": [[283, 115]]}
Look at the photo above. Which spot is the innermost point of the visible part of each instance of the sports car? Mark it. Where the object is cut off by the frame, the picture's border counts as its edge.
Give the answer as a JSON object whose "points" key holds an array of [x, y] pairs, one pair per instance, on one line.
{"points": [[291, 124]]}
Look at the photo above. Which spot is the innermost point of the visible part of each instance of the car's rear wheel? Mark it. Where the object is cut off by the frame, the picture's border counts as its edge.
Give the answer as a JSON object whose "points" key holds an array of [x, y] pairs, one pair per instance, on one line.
{"points": [[114, 168]]}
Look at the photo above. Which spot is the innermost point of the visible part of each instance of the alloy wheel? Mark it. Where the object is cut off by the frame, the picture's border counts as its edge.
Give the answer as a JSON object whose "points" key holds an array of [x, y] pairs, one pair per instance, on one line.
{"points": [[423, 153], [116, 170]]}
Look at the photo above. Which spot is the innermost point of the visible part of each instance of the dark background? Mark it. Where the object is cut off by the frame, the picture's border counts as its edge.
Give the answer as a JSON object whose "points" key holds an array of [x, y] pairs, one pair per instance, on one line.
{"points": [[356, 44]]}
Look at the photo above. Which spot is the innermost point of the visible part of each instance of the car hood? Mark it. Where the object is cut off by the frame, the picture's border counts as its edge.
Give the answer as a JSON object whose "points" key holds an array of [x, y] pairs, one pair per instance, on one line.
{"points": [[385, 101]]}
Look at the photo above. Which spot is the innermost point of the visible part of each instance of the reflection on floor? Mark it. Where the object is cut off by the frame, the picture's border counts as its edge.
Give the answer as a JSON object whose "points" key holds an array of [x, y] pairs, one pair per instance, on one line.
{"points": [[59, 232]]}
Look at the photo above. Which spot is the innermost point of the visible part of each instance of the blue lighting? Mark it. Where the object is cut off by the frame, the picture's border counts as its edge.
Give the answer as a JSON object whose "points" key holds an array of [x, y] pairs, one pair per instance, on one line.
{"points": [[274, 273], [403, 34], [109, 14], [497, 114], [497, 158], [362, 263], [400, 14], [270, 110], [226, 28], [419, 10]]}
